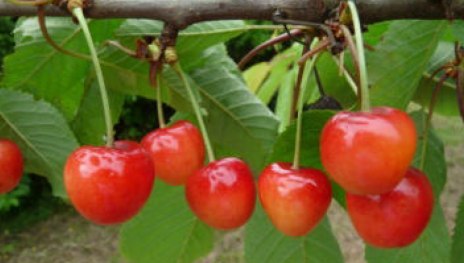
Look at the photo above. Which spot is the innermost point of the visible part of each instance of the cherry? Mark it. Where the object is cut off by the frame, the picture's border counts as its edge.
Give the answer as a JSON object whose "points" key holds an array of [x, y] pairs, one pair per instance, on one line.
{"points": [[109, 185], [11, 165], [177, 151], [368, 152], [397, 218], [295, 199], [222, 194]]}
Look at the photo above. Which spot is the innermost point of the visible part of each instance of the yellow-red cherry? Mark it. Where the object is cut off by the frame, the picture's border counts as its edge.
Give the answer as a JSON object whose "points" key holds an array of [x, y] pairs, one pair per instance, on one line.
{"points": [[177, 151], [11, 165], [294, 199], [222, 194], [368, 152], [396, 218], [109, 185]]}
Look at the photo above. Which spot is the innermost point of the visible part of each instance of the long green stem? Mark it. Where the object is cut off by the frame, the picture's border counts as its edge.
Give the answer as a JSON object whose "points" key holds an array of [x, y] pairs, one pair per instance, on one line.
{"points": [[299, 120], [365, 101], [196, 109], [77, 12], [159, 103]]}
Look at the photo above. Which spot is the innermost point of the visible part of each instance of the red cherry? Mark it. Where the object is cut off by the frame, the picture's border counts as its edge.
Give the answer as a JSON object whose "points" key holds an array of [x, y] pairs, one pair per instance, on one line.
{"points": [[368, 152], [222, 194], [177, 151], [295, 199], [397, 218], [109, 185], [11, 165]]}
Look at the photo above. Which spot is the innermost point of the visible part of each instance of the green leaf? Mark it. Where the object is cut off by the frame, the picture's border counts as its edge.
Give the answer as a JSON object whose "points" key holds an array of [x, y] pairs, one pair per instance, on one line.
{"points": [[255, 75], [41, 132], [396, 66], [263, 243], [280, 65], [457, 28], [375, 32], [89, 123], [165, 230], [457, 251], [285, 98], [41, 70], [433, 245]]}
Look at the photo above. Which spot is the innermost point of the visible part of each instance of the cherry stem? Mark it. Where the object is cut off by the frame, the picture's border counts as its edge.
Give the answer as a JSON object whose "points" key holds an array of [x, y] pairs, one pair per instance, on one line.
{"points": [[78, 13], [196, 109], [347, 75], [365, 102], [279, 39], [297, 88], [425, 132], [159, 103], [352, 48], [299, 120], [50, 41]]}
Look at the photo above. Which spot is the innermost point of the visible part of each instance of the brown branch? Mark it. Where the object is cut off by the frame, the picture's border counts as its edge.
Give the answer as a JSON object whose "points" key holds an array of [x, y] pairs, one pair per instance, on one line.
{"points": [[182, 13]]}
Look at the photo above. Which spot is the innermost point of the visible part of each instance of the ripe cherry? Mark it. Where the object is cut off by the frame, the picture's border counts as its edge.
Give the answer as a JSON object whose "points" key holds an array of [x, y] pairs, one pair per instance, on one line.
{"points": [[109, 185], [397, 218], [368, 152], [11, 165], [295, 199], [222, 194], [177, 151]]}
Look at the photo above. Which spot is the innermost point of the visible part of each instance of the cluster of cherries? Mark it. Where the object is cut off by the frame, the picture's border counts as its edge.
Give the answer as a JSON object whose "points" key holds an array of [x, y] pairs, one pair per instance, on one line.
{"points": [[367, 153]]}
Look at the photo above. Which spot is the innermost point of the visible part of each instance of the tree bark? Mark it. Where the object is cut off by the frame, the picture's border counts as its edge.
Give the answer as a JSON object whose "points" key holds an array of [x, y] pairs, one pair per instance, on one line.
{"points": [[181, 13]]}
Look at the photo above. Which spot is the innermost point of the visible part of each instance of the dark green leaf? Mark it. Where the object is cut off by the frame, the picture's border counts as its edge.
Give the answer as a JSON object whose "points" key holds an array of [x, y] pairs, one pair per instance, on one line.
{"points": [[41, 70], [457, 28], [263, 243], [41, 132], [165, 230], [89, 123], [396, 65]]}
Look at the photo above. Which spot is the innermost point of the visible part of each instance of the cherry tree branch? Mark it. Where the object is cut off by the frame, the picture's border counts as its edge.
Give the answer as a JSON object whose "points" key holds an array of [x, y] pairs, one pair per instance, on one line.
{"points": [[181, 13]]}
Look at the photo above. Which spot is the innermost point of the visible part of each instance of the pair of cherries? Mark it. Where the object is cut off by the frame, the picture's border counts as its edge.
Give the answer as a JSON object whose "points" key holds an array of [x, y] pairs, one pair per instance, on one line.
{"points": [[110, 185], [369, 155]]}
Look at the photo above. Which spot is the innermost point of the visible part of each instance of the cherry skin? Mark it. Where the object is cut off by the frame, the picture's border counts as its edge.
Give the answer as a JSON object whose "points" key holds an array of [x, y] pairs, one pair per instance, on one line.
{"points": [[109, 185], [177, 151], [394, 219], [11, 165], [295, 199], [222, 194], [368, 152]]}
